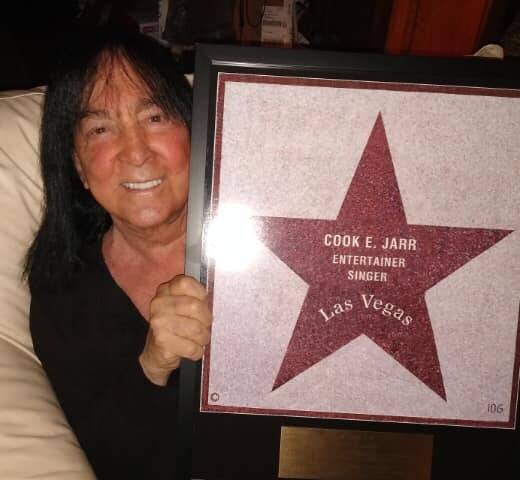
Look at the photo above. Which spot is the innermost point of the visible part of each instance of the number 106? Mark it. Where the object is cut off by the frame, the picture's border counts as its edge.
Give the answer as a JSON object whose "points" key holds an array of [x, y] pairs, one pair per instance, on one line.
{"points": [[495, 408]]}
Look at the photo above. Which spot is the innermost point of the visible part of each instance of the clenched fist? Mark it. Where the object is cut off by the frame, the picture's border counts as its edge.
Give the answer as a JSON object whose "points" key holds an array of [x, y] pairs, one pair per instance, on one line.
{"points": [[180, 323]]}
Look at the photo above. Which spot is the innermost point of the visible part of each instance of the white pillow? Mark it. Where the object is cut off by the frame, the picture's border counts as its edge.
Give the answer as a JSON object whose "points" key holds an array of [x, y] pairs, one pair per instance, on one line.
{"points": [[20, 204], [35, 439]]}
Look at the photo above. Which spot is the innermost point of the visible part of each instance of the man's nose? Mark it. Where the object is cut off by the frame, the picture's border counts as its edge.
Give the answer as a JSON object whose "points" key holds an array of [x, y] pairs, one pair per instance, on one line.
{"points": [[135, 149]]}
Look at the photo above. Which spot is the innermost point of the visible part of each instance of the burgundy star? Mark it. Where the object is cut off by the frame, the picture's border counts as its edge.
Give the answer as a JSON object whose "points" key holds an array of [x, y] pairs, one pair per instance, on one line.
{"points": [[388, 307]]}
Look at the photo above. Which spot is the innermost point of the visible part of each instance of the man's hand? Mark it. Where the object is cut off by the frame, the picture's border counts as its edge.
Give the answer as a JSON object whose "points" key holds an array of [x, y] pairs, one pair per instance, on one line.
{"points": [[180, 323]]}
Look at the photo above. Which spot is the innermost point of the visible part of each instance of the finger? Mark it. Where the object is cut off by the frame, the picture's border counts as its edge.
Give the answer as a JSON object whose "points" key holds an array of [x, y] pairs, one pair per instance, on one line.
{"points": [[171, 342], [171, 306], [184, 285], [193, 330], [186, 348], [193, 308], [163, 290], [165, 326]]}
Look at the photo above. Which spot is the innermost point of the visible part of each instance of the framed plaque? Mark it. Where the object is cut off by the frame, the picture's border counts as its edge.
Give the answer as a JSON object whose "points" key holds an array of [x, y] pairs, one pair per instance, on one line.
{"points": [[355, 220]]}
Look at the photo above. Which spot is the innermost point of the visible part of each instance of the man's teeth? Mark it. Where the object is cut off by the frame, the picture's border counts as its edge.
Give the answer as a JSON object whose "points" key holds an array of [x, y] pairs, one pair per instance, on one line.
{"points": [[142, 185]]}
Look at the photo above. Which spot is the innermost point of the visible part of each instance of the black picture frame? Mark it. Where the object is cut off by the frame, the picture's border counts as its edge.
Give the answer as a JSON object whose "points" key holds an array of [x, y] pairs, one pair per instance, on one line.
{"points": [[479, 447]]}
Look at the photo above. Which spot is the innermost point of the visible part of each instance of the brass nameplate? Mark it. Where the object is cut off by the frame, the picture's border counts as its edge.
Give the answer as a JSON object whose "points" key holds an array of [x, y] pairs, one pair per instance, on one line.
{"points": [[316, 453]]}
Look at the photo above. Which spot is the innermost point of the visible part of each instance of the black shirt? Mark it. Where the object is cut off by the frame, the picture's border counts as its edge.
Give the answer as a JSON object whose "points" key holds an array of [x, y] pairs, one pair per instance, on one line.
{"points": [[88, 339]]}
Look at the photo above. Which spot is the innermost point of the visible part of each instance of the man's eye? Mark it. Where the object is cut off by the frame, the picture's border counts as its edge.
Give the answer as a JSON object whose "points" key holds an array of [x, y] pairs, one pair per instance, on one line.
{"points": [[158, 117], [97, 131]]}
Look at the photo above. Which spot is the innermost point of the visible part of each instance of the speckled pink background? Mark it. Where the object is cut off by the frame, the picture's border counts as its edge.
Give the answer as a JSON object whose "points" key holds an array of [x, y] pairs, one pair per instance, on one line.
{"points": [[291, 151]]}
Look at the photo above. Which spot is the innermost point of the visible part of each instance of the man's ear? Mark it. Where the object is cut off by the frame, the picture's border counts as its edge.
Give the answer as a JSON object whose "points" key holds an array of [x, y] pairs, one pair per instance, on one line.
{"points": [[79, 169]]}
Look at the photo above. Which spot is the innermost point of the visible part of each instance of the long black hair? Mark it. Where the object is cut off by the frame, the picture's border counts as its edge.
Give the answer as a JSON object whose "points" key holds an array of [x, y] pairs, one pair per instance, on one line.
{"points": [[72, 218]]}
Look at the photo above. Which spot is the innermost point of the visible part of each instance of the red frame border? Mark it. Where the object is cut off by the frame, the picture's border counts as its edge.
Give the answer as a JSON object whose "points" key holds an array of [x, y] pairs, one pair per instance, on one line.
{"points": [[205, 406]]}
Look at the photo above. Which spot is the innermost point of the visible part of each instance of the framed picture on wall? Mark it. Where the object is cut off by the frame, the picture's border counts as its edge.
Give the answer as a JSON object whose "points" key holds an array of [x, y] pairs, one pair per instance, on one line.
{"points": [[354, 218]]}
